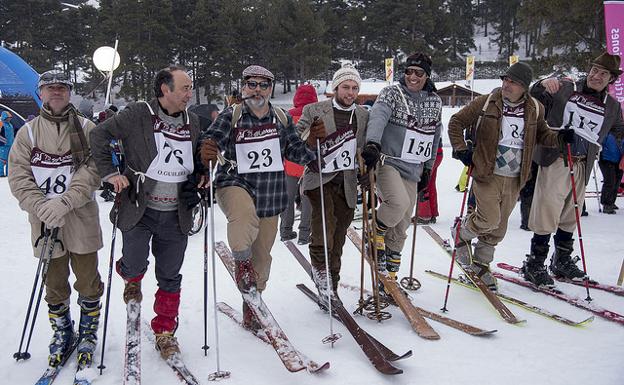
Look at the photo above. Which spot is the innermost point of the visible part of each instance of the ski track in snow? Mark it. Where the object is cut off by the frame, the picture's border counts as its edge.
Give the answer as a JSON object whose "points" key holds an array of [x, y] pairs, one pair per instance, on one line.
{"points": [[541, 351]]}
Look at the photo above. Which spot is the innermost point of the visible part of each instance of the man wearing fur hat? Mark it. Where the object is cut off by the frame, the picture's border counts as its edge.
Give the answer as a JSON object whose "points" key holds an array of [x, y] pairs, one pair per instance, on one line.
{"points": [[504, 127], [345, 123], [251, 185], [586, 107], [54, 178], [401, 140]]}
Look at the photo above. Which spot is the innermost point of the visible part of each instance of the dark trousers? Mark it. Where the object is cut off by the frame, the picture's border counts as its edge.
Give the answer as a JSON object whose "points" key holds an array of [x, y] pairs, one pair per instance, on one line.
{"points": [[168, 247], [526, 196], [338, 216], [611, 175]]}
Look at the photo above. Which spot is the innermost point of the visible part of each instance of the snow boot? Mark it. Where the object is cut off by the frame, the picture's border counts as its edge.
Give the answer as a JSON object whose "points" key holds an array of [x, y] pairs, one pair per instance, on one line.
{"points": [[87, 332], [132, 289], [380, 245], [245, 276], [463, 247], [393, 263], [533, 269], [63, 336], [320, 280], [483, 272], [561, 263], [167, 345]]}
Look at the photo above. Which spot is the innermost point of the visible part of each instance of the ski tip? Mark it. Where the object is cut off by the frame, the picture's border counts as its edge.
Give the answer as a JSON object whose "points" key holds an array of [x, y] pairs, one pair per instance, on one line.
{"points": [[313, 367]]}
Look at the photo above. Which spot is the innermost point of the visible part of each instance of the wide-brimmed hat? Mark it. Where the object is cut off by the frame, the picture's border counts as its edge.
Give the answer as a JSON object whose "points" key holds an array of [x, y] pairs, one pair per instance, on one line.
{"points": [[609, 62]]}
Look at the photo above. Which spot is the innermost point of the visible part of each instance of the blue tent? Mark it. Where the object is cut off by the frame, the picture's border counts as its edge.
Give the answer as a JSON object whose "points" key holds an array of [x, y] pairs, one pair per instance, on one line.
{"points": [[17, 77]]}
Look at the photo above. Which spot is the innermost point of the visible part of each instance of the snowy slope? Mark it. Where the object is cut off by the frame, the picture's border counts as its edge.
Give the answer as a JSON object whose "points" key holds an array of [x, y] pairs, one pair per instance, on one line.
{"points": [[540, 352]]}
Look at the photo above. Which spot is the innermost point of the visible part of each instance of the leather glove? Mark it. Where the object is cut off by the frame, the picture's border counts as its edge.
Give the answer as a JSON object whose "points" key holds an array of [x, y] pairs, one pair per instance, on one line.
{"points": [[465, 156], [363, 181], [52, 212], [317, 131], [567, 135], [424, 180], [208, 151], [371, 154], [190, 194]]}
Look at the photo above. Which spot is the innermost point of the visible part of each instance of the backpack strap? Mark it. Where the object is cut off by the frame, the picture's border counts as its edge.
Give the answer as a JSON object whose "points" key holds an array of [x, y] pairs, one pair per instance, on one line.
{"points": [[237, 112]]}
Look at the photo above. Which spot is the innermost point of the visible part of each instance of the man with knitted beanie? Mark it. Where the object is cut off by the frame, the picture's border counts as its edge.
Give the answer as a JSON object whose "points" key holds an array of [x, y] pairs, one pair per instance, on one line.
{"points": [[401, 142], [575, 106], [504, 127], [345, 123]]}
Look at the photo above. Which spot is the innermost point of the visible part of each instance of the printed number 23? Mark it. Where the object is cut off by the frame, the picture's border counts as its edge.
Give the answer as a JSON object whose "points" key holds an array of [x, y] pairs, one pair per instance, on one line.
{"points": [[254, 156]]}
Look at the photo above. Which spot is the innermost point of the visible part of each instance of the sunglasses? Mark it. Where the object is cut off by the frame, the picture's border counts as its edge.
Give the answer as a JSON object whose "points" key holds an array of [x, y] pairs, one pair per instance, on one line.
{"points": [[415, 71], [252, 85]]}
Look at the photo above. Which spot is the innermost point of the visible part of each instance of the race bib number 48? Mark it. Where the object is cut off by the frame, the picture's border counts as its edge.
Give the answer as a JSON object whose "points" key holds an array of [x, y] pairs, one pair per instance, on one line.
{"points": [[258, 149]]}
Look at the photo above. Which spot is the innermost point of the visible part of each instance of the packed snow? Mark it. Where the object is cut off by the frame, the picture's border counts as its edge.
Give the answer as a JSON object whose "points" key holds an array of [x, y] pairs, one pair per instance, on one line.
{"points": [[541, 351]]}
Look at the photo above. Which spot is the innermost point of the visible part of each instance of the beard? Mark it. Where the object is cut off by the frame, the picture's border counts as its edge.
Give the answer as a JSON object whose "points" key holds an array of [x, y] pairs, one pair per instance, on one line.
{"points": [[256, 103]]}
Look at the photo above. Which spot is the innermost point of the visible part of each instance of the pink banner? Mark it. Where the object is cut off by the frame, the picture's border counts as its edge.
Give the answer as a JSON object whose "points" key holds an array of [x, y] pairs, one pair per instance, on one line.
{"points": [[614, 25]]}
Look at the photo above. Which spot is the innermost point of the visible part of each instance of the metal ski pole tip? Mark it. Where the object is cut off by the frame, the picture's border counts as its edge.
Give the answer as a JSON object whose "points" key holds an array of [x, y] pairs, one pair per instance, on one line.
{"points": [[330, 339], [219, 375], [205, 348], [410, 283]]}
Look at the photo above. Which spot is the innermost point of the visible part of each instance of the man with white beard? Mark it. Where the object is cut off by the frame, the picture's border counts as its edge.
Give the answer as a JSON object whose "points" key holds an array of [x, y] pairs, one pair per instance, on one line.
{"points": [[251, 185]]}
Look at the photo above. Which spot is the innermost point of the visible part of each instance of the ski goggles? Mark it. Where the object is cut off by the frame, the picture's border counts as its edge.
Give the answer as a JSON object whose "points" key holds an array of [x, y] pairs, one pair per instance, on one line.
{"points": [[54, 77]]}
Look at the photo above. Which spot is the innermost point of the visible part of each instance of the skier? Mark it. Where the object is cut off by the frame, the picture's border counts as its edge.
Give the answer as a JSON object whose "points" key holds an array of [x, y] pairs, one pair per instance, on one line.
{"points": [[7, 136], [511, 122], [250, 186], [402, 137], [582, 105], [54, 179], [304, 95], [345, 123], [158, 192]]}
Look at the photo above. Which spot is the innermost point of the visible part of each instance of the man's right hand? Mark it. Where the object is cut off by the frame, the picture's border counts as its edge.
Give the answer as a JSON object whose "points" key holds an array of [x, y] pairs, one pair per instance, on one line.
{"points": [[371, 154], [119, 182], [551, 85], [208, 152], [465, 156]]}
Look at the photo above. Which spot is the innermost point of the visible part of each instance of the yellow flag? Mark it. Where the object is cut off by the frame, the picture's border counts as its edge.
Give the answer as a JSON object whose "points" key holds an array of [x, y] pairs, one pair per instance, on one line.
{"points": [[470, 67], [389, 69], [513, 59]]}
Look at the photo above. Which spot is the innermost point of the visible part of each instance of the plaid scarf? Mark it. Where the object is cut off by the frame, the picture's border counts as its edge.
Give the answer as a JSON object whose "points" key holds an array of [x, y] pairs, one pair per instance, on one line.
{"points": [[78, 142]]}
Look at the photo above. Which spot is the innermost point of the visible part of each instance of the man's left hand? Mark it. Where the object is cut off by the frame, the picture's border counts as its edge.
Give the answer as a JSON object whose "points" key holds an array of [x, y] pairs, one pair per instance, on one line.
{"points": [[317, 131]]}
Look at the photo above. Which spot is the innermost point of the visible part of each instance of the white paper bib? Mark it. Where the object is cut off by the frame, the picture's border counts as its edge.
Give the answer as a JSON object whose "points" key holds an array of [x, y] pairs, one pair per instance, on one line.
{"points": [[585, 115], [338, 151], [258, 149]]}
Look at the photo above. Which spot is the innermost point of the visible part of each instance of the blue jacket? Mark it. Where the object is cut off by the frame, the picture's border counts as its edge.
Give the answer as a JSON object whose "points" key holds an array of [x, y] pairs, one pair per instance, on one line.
{"points": [[612, 151]]}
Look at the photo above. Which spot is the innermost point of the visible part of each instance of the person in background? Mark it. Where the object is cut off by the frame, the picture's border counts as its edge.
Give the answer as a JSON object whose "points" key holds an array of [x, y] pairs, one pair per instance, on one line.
{"points": [[612, 152], [304, 95], [7, 136]]}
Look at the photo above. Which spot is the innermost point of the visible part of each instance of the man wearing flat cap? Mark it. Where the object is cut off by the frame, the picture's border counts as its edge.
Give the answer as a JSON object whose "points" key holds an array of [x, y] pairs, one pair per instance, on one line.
{"points": [[53, 176], [250, 183], [503, 128], [586, 107], [402, 139]]}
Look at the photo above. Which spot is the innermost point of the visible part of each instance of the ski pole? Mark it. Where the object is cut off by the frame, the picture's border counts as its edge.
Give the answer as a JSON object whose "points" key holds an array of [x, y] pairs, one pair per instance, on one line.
{"points": [[205, 211], [597, 191], [117, 163], [578, 219], [411, 283], [621, 277], [360, 308], [332, 337], [19, 355], [219, 374], [458, 220], [111, 259], [44, 275]]}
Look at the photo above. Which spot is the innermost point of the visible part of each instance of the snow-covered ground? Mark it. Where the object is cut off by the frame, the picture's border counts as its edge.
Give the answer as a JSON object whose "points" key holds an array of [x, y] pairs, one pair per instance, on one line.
{"points": [[541, 351]]}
